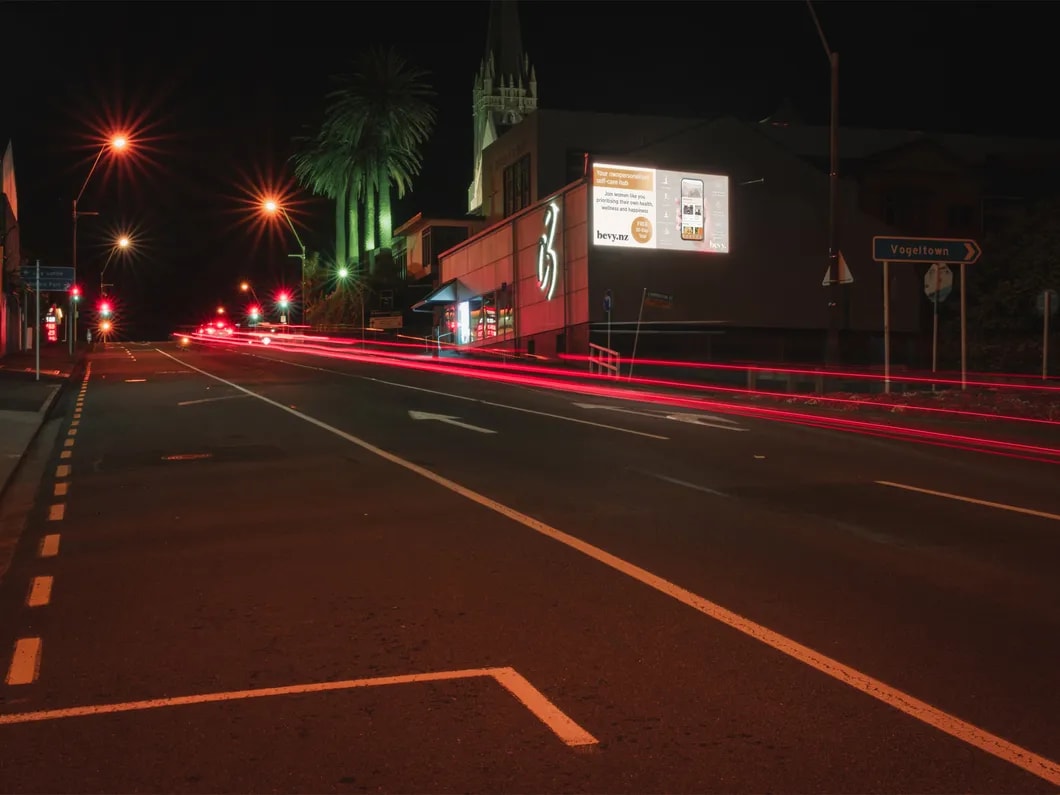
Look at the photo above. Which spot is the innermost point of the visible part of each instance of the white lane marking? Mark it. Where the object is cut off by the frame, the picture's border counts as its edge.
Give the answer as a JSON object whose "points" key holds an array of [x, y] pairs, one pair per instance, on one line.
{"points": [[511, 680], [25, 662], [135, 380], [684, 483], [72, 432], [68, 442], [40, 591], [972, 500], [915, 708], [686, 418], [209, 400], [56, 512], [448, 420], [562, 417], [49, 546], [66, 454], [61, 489]]}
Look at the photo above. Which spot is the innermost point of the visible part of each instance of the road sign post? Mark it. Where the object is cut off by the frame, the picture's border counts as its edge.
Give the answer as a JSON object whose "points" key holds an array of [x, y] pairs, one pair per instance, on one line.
{"points": [[1048, 304], [935, 250], [36, 330], [609, 303], [938, 282], [636, 335]]}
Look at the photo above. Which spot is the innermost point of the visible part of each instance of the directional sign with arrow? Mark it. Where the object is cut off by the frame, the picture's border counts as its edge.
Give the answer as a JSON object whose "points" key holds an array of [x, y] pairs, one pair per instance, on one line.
{"points": [[448, 420], [947, 250]]}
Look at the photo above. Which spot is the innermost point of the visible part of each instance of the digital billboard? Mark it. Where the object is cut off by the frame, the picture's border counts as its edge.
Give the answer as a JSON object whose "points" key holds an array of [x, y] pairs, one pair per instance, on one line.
{"points": [[636, 207]]}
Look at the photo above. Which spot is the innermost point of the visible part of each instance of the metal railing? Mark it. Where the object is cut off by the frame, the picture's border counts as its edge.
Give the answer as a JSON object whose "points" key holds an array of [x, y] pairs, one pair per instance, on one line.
{"points": [[603, 361]]}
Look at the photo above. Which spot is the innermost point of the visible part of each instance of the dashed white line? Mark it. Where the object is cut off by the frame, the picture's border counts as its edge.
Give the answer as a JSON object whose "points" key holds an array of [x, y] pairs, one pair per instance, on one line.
{"points": [[25, 663], [972, 500], [49, 546], [40, 591]]}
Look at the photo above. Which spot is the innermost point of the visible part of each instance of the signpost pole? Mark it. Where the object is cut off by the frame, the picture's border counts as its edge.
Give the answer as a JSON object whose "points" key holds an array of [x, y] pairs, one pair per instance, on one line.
{"points": [[887, 327], [935, 320], [36, 330], [609, 329], [636, 336], [964, 330], [1045, 334]]}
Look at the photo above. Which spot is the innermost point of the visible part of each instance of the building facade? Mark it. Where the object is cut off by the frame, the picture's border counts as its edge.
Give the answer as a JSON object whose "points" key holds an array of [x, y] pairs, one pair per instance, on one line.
{"points": [[545, 279]]}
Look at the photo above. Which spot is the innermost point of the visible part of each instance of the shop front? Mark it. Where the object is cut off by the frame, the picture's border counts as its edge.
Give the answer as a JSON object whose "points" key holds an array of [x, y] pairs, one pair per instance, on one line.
{"points": [[521, 285]]}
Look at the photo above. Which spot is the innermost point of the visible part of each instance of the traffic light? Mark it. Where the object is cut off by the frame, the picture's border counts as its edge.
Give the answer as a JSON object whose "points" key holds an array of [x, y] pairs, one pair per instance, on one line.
{"points": [[75, 293], [282, 299], [104, 309], [255, 313]]}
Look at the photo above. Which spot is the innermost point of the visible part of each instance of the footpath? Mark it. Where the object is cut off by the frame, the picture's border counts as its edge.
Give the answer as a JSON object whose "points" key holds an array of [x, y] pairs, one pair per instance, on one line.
{"points": [[25, 401]]}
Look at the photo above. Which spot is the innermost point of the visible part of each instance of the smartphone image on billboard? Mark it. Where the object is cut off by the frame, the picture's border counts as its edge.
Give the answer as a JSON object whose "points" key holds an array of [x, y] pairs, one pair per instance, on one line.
{"points": [[691, 209]]}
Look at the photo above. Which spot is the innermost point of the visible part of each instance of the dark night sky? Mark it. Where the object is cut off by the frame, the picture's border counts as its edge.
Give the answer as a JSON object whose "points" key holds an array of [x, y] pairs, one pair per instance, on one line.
{"points": [[214, 93]]}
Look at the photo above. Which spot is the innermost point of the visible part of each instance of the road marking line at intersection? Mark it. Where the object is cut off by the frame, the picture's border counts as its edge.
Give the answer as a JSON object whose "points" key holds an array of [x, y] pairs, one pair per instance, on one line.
{"points": [[511, 680], [972, 500], [969, 733]]}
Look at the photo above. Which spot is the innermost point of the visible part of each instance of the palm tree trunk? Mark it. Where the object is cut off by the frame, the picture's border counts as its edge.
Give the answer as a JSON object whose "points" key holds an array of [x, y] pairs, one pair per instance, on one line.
{"points": [[353, 252], [341, 249], [369, 221], [386, 221]]}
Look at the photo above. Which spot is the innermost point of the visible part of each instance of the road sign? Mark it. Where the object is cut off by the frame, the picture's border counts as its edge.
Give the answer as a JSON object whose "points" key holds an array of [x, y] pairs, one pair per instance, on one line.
{"points": [[386, 321], [938, 282], [1054, 302], [950, 251], [609, 301], [52, 277], [845, 276], [658, 300]]}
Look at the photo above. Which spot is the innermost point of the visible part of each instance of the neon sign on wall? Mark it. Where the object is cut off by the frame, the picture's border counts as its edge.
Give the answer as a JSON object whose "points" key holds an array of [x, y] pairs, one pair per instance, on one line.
{"points": [[547, 257]]}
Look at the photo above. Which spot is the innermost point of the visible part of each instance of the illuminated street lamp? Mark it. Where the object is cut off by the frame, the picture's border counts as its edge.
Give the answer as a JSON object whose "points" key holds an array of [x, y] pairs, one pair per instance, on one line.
{"points": [[272, 207], [342, 273], [121, 244], [117, 144]]}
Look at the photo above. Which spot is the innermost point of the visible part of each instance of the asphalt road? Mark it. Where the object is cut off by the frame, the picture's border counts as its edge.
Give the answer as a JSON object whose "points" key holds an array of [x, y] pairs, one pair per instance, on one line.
{"points": [[607, 599]]}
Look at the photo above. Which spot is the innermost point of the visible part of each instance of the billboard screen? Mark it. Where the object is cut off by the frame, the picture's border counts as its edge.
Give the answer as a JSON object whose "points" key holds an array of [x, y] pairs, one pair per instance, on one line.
{"points": [[635, 207]]}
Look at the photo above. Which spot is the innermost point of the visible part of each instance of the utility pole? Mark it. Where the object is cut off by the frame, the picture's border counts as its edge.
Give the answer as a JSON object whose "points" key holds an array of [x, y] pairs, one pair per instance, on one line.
{"points": [[837, 295]]}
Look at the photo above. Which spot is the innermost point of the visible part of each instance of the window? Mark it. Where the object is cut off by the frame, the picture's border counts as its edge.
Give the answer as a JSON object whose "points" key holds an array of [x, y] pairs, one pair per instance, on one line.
{"points": [[517, 185]]}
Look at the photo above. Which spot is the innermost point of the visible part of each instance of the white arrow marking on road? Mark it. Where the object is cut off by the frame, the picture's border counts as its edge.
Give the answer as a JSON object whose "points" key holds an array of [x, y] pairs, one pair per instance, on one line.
{"points": [[426, 415], [692, 419]]}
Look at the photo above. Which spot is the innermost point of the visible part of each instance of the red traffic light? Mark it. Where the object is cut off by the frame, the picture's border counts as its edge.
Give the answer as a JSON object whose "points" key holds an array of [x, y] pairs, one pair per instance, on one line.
{"points": [[75, 291]]}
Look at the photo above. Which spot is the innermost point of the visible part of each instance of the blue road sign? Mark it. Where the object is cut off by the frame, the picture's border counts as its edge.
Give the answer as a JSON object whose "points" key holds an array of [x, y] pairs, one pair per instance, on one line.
{"points": [[53, 278], [950, 251], [608, 301]]}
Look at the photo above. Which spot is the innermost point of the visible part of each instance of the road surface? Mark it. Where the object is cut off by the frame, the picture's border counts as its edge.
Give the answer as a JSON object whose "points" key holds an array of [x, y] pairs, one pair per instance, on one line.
{"points": [[250, 570]]}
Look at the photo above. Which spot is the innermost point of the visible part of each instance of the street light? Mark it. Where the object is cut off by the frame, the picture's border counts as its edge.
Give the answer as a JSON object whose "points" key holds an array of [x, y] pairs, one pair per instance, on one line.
{"points": [[117, 143], [836, 303], [272, 207], [120, 244]]}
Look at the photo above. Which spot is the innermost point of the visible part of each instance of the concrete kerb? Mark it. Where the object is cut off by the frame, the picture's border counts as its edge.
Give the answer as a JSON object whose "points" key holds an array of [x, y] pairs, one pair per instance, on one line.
{"points": [[76, 373]]}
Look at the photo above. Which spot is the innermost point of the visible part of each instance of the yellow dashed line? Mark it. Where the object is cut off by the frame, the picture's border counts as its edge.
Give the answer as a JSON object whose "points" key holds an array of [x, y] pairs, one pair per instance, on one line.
{"points": [[40, 592], [49, 546], [25, 663]]}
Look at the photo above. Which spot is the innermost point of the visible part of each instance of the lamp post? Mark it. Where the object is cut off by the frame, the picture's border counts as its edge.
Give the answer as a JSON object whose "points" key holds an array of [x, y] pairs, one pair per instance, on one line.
{"points": [[835, 303], [115, 144], [120, 244], [271, 206]]}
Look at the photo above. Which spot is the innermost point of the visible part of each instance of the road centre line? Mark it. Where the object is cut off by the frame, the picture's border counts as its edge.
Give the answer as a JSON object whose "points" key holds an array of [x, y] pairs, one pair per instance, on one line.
{"points": [[968, 733], [49, 546], [972, 500], [209, 400], [56, 512], [511, 680], [469, 399], [40, 591]]}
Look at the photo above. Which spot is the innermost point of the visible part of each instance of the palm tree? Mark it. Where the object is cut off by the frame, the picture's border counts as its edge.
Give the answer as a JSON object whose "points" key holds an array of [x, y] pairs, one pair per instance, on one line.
{"points": [[382, 115], [328, 168]]}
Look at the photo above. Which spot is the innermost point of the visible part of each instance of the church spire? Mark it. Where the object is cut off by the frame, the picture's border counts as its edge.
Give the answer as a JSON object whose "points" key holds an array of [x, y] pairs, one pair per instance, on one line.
{"points": [[505, 88]]}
